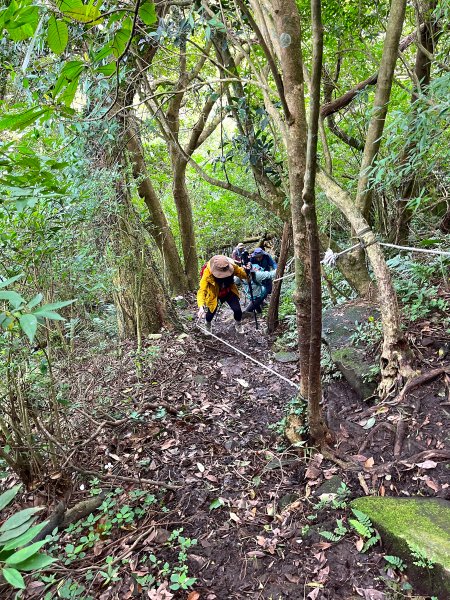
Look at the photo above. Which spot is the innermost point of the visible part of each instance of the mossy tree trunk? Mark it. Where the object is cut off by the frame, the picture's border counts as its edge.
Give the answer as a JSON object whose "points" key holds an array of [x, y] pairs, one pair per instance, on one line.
{"points": [[142, 302]]}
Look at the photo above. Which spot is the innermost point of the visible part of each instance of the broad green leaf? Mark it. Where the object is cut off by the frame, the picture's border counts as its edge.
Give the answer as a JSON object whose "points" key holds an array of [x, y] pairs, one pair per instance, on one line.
{"points": [[35, 301], [25, 537], [78, 11], [147, 12], [12, 297], [23, 23], [35, 563], [70, 71], [57, 35], [217, 503], [9, 495], [21, 517], [108, 69], [103, 53], [49, 314], [15, 532], [7, 282], [120, 41], [21, 120], [14, 578], [24, 553], [55, 305], [28, 324]]}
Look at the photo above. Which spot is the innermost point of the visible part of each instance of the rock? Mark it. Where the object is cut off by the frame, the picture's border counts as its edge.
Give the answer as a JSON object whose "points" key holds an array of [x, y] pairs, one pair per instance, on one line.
{"points": [[330, 486], [286, 357], [339, 325], [421, 522], [154, 336]]}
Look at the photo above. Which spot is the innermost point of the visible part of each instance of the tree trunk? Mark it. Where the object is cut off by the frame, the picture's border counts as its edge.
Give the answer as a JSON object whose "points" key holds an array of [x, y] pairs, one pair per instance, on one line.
{"points": [[286, 242], [287, 25], [422, 72], [158, 225], [142, 303], [395, 356], [317, 429], [185, 218]]}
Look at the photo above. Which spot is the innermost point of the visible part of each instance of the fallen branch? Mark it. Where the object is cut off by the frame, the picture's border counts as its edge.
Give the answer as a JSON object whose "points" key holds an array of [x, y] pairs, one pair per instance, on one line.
{"points": [[399, 438], [375, 430], [138, 480]]}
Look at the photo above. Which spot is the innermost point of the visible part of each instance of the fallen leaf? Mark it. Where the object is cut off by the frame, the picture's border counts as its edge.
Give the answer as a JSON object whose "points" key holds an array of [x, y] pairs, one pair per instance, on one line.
{"points": [[169, 444], [369, 463], [234, 517], [370, 594], [200, 467], [427, 464], [314, 593], [359, 544], [242, 382], [370, 423], [432, 484], [193, 596]]}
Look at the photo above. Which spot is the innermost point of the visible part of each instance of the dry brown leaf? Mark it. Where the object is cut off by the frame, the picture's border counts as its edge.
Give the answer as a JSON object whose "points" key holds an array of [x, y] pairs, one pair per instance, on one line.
{"points": [[359, 544], [427, 464], [369, 463], [370, 594], [432, 484], [169, 444], [193, 596]]}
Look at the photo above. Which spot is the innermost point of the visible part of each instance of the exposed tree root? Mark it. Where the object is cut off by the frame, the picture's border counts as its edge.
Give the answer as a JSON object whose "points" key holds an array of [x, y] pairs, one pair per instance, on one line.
{"points": [[421, 379], [370, 435], [399, 438]]}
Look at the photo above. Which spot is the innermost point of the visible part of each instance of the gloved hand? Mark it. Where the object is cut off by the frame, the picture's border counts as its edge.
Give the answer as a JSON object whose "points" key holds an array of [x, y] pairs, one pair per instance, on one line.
{"points": [[201, 312]]}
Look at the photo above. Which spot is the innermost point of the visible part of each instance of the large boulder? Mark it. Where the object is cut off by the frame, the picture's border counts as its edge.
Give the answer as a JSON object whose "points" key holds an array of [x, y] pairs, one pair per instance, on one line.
{"points": [[418, 523], [351, 357]]}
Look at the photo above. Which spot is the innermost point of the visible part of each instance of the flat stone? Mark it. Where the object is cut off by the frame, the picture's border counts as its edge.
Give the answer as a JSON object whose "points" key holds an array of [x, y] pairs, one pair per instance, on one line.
{"points": [[355, 368], [330, 486], [420, 522], [286, 357]]}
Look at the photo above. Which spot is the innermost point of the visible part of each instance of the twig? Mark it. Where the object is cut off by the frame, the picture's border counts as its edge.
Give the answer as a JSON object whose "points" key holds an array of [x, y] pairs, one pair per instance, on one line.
{"points": [[399, 438], [373, 432], [138, 480]]}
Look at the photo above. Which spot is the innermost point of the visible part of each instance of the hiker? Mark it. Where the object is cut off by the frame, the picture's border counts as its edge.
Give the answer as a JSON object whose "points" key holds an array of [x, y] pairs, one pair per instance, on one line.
{"points": [[240, 254], [259, 288], [266, 262], [217, 284]]}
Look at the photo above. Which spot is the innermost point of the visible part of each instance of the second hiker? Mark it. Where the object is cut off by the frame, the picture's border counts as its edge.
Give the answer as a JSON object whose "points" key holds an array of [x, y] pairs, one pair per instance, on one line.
{"points": [[217, 284]]}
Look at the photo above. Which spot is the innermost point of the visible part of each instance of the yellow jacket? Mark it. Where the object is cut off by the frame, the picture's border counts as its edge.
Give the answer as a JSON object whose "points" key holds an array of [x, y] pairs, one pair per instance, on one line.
{"points": [[208, 293]]}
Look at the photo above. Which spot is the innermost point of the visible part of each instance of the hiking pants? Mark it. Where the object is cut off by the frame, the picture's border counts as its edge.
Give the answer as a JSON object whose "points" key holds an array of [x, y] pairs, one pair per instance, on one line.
{"points": [[233, 302]]}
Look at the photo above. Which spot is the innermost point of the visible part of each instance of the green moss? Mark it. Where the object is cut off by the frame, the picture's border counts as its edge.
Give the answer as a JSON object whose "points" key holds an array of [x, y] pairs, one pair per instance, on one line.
{"points": [[421, 522]]}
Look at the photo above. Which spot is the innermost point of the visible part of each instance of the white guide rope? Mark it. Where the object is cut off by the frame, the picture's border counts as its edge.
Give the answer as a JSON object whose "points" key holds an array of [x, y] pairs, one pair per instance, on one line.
{"points": [[249, 357]]}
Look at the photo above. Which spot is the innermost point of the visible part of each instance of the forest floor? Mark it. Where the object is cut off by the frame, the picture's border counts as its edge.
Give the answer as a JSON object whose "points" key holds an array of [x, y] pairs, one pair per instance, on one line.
{"points": [[190, 412]]}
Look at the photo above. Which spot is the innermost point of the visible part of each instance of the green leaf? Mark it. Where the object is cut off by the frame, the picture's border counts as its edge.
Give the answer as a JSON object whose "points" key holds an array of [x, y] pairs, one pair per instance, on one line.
{"points": [[7, 282], [28, 324], [24, 24], [49, 314], [108, 69], [21, 120], [12, 297], [15, 532], [57, 35], [217, 503], [35, 563], [9, 495], [147, 12], [370, 423], [14, 578], [25, 537], [24, 553], [35, 301], [21, 517], [55, 305], [120, 41], [80, 12]]}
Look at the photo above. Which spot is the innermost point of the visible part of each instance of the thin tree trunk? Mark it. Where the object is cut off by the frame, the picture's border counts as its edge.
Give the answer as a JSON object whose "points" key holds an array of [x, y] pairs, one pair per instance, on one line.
{"points": [[422, 72], [317, 427], [286, 243], [395, 355], [158, 225], [287, 24], [380, 104]]}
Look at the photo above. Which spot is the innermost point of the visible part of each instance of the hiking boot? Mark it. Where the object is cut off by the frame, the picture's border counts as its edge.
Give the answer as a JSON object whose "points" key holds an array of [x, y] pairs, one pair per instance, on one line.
{"points": [[239, 327]]}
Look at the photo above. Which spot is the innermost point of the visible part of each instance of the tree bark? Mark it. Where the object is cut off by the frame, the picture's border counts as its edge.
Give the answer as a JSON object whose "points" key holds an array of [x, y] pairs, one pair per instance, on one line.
{"points": [[395, 355], [287, 25], [317, 429], [380, 105], [158, 225], [286, 243], [143, 305]]}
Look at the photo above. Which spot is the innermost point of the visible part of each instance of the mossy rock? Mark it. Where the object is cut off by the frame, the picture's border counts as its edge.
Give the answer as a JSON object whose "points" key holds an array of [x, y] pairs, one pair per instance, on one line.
{"points": [[286, 357], [353, 365], [419, 522]]}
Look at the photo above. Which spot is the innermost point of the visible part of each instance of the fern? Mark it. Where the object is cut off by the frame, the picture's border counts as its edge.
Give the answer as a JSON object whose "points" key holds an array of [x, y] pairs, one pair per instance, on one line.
{"points": [[362, 518], [361, 529], [421, 558], [330, 536], [396, 562], [370, 542]]}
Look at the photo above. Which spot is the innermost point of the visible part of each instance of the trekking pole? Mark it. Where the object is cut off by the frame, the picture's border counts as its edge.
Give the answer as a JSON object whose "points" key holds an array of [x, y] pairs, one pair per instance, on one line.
{"points": [[250, 289]]}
